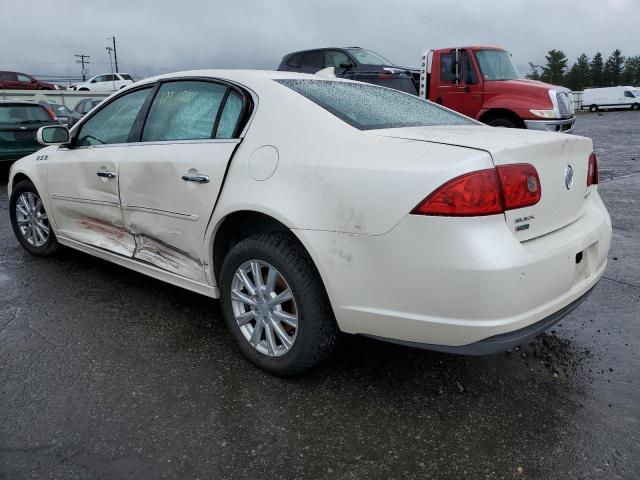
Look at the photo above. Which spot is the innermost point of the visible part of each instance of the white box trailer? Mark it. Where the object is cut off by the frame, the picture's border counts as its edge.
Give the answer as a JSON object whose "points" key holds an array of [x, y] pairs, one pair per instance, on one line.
{"points": [[611, 97]]}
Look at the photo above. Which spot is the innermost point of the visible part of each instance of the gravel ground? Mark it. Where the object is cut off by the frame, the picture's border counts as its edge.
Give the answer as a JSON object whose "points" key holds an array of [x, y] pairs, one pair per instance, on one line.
{"points": [[108, 374]]}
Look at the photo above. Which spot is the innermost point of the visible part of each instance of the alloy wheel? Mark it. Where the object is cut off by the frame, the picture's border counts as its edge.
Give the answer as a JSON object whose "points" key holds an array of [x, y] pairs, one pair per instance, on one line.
{"points": [[32, 219], [264, 308]]}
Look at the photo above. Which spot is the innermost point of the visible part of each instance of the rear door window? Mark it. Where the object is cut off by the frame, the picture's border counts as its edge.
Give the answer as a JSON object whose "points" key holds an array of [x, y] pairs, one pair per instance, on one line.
{"points": [[313, 61], [184, 110]]}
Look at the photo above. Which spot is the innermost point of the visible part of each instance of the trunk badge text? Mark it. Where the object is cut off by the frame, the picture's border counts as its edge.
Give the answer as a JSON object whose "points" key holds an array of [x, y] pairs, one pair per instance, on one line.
{"points": [[568, 177]]}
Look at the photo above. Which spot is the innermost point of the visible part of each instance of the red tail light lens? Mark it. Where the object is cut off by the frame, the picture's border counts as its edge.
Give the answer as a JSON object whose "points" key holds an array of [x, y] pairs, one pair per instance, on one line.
{"points": [[51, 113], [471, 194], [592, 175], [520, 185], [485, 192]]}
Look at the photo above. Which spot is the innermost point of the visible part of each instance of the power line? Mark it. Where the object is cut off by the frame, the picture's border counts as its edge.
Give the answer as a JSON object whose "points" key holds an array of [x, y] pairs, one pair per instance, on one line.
{"points": [[82, 60]]}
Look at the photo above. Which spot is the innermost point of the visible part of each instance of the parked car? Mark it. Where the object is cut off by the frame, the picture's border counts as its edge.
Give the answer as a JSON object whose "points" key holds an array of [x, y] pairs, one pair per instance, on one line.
{"points": [[65, 116], [106, 82], [85, 106], [19, 122], [354, 63], [313, 206], [606, 98], [22, 81]]}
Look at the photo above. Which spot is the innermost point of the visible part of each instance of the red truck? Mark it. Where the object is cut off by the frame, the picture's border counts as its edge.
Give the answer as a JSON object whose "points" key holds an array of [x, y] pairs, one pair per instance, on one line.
{"points": [[483, 83]]}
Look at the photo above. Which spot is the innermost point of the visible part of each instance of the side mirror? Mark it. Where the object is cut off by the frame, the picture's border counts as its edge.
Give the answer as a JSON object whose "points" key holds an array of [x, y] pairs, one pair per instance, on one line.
{"points": [[346, 65], [53, 135]]}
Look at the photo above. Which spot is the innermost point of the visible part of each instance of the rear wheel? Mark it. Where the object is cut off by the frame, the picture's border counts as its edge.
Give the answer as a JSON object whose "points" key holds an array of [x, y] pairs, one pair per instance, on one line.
{"points": [[275, 304], [593, 108], [30, 221], [502, 122]]}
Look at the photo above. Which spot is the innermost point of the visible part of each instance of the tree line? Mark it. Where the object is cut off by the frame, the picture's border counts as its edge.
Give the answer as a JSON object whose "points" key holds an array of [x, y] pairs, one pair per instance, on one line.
{"points": [[587, 72]]}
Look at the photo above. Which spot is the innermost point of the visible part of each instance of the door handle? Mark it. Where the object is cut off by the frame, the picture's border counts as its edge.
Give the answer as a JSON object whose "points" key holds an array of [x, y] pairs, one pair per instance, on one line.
{"points": [[197, 178], [105, 174]]}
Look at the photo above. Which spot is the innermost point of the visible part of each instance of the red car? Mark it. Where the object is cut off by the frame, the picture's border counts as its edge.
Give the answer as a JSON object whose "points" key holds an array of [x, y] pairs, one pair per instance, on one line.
{"points": [[22, 81]]}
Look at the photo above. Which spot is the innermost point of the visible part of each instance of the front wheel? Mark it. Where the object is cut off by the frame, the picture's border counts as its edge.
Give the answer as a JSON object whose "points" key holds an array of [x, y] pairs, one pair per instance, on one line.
{"points": [[30, 221], [635, 106], [593, 108], [275, 304]]}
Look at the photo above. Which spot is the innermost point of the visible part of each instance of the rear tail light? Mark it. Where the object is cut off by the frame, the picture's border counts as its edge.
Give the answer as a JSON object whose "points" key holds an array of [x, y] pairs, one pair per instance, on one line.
{"points": [[51, 114], [485, 192], [592, 174]]}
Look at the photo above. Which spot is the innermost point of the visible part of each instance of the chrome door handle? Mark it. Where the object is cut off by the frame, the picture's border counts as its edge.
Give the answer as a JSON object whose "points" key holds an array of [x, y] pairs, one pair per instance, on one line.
{"points": [[105, 174], [197, 178]]}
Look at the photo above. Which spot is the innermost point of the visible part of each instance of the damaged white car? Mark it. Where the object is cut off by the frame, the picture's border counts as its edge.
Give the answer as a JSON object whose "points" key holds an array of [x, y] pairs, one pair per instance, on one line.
{"points": [[312, 206]]}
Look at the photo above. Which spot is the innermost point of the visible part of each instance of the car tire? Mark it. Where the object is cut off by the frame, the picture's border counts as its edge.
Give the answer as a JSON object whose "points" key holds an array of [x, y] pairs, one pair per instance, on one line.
{"points": [[635, 106], [502, 122], [593, 108], [316, 331], [30, 221]]}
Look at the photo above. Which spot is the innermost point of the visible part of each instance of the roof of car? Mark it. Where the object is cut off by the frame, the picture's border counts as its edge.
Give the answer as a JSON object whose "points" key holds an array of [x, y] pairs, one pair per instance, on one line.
{"points": [[17, 102], [245, 77]]}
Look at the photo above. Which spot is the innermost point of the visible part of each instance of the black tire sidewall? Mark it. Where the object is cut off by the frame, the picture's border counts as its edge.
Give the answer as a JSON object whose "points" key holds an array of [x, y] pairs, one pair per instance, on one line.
{"points": [[52, 243], [502, 122], [307, 302], [593, 108]]}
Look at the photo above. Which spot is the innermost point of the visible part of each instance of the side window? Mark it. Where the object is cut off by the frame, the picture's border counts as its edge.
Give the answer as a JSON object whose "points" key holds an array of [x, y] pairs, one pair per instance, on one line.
{"points": [[23, 78], [295, 60], [99, 78], [230, 115], [78, 107], [467, 70], [313, 59], [8, 77], [113, 123], [627, 93], [184, 110], [334, 58], [446, 67]]}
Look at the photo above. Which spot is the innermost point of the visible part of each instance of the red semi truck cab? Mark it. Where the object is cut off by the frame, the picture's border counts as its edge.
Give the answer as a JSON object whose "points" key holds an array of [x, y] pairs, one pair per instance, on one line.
{"points": [[483, 83]]}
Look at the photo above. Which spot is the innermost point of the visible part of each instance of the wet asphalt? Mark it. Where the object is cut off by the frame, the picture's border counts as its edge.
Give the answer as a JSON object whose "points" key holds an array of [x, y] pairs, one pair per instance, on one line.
{"points": [[108, 374]]}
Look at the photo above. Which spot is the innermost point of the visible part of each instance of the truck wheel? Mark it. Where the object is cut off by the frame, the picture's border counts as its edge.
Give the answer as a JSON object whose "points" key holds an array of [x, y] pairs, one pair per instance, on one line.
{"points": [[502, 122], [275, 304], [593, 108], [635, 106]]}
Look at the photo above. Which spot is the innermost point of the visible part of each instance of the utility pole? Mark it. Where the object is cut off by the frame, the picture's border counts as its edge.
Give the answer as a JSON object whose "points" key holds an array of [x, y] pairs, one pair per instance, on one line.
{"points": [[109, 50], [115, 53], [83, 59]]}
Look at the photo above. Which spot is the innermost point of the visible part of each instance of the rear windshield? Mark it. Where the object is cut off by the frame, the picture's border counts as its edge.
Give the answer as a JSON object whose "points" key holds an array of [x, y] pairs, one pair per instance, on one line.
{"points": [[368, 107], [21, 114]]}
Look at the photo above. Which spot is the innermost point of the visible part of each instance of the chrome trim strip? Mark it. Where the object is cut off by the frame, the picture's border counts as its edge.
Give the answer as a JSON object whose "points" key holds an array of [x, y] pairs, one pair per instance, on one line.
{"points": [[167, 213], [86, 200]]}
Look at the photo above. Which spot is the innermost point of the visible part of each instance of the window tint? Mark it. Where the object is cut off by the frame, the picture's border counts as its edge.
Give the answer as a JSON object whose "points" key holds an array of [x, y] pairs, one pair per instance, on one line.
{"points": [[113, 123], [447, 73], [367, 107], [14, 114], [229, 117], [334, 58], [313, 59], [627, 93], [294, 60], [184, 111], [8, 77]]}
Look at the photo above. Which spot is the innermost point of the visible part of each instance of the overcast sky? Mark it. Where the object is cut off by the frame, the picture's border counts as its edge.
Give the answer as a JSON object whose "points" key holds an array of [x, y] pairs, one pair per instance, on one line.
{"points": [[155, 36]]}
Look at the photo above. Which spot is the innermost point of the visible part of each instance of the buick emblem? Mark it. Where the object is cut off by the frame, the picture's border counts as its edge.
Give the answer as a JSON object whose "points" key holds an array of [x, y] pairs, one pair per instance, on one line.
{"points": [[568, 177]]}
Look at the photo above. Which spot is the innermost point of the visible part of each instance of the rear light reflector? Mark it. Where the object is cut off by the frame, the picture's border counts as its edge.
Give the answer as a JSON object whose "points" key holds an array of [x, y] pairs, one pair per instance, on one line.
{"points": [[484, 192], [592, 174]]}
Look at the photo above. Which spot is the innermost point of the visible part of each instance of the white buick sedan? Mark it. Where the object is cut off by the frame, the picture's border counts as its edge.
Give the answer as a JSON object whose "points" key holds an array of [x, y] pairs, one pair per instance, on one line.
{"points": [[312, 206]]}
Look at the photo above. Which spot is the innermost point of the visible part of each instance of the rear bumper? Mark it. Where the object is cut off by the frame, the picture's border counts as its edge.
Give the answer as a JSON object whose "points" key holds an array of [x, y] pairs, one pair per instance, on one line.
{"points": [[498, 343], [443, 282], [565, 125]]}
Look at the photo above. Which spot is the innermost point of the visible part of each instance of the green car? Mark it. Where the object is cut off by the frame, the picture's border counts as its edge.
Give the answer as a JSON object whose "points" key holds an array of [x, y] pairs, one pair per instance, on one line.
{"points": [[19, 123]]}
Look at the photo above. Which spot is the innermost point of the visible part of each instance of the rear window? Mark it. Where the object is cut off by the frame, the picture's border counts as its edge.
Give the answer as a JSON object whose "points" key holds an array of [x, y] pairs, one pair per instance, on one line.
{"points": [[368, 107], [22, 114], [126, 76]]}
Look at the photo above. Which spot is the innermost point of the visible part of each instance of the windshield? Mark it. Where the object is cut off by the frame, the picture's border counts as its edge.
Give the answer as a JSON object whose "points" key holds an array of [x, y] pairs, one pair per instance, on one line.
{"points": [[368, 57], [369, 107], [21, 114], [126, 76], [496, 65], [636, 93]]}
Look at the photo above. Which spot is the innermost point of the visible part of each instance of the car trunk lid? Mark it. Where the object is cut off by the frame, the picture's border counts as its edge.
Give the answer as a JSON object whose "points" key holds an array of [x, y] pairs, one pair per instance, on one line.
{"points": [[561, 161]]}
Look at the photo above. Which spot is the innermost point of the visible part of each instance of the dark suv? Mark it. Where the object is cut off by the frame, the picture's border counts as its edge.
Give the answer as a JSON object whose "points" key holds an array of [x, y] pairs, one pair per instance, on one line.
{"points": [[19, 124], [354, 63]]}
